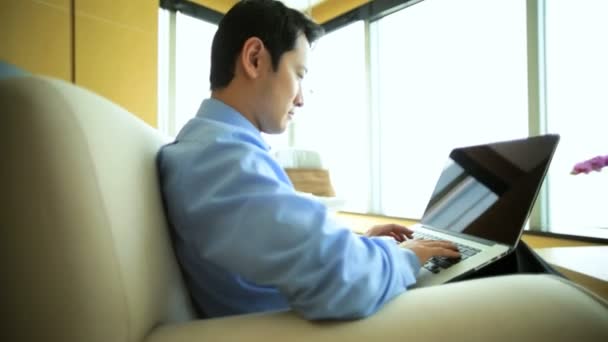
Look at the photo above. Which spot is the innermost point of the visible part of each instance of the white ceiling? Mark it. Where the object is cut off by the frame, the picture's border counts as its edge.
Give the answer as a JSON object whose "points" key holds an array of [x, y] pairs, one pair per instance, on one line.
{"points": [[301, 4]]}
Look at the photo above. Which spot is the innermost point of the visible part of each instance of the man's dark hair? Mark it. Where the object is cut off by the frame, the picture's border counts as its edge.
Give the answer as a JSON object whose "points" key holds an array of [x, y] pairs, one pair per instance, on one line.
{"points": [[275, 24]]}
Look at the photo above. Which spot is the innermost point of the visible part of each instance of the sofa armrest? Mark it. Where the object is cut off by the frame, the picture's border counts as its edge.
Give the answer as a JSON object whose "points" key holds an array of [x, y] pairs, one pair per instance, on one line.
{"points": [[508, 308]]}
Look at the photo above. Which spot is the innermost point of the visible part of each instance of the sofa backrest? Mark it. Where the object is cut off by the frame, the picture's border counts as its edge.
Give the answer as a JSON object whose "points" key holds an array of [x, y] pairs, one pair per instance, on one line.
{"points": [[84, 245]]}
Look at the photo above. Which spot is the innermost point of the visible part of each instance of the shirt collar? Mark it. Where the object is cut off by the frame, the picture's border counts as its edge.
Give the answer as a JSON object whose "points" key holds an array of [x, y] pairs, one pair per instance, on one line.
{"points": [[216, 110]]}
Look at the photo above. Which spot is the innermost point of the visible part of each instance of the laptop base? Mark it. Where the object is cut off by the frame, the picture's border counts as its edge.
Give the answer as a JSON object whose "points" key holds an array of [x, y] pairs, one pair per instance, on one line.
{"points": [[523, 260]]}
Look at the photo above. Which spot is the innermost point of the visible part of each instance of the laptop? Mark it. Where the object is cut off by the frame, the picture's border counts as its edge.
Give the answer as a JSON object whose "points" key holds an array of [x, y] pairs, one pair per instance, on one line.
{"points": [[481, 202]]}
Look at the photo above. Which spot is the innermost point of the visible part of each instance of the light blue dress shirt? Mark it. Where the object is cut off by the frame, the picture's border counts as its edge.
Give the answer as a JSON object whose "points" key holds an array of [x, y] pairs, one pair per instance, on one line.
{"points": [[248, 243]]}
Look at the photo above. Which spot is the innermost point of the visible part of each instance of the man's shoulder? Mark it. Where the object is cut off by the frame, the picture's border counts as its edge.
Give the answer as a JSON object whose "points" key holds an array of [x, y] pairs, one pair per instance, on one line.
{"points": [[201, 132], [212, 143]]}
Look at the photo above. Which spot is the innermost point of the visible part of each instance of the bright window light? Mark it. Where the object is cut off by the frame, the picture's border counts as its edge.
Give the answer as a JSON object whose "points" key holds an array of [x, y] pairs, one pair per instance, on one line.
{"points": [[451, 73], [334, 119], [577, 109]]}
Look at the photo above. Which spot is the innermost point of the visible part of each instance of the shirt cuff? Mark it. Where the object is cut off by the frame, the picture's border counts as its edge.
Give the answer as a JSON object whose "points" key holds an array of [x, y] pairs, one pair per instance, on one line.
{"points": [[407, 262], [413, 264]]}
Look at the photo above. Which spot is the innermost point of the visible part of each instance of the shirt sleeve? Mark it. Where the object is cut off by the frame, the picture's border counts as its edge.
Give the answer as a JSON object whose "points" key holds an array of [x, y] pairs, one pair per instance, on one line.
{"points": [[241, 213]]}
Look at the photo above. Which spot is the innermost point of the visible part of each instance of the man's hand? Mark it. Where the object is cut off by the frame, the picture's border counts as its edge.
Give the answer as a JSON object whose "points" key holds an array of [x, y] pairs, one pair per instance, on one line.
{"points": [[399, 233], [426, 249]]}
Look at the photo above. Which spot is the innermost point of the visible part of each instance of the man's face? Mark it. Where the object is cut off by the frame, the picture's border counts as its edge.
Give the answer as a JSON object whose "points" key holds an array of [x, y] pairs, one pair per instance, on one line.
{"points": [[282, 89]]}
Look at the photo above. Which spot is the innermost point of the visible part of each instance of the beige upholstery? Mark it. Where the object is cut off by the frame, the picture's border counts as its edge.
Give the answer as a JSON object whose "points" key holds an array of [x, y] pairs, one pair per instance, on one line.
{"points": [[84, 237], [85, 251]]}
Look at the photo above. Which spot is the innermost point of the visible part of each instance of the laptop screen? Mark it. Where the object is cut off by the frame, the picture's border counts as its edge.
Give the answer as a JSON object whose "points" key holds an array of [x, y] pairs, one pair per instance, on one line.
{"points": [[488, 190]]}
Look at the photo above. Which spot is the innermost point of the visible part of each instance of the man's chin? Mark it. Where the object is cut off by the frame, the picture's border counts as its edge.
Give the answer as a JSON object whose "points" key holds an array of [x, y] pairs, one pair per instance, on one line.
{"points": [[276, 130]]}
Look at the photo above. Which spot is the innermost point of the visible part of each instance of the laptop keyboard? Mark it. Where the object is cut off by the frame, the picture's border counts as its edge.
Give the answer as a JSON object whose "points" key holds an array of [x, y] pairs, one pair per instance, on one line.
{"points": [[435, 264]]}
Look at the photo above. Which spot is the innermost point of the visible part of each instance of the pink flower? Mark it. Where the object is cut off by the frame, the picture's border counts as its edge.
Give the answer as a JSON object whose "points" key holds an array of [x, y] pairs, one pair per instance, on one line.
{"points": [[593, 164]]}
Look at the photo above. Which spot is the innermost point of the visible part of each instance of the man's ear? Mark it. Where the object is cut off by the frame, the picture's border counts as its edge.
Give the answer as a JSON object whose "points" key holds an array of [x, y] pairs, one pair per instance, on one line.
{"points": [[252, 57]]}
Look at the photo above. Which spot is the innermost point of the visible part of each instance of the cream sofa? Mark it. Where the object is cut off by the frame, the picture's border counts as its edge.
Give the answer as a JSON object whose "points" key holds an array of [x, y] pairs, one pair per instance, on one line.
{"points": [[86, 255]]}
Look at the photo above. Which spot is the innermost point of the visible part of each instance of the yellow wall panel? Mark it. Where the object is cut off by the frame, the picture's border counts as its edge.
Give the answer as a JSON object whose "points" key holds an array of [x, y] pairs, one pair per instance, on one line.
{"points": [[221, 6], [136, 14], [35, 35], [58, 3], [116, 52], [329, 9], [322, 12], [119, 63]]}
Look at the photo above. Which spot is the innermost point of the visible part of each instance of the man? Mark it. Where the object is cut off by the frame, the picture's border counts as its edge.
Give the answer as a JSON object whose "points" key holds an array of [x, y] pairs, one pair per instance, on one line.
{"points": [[245, 240]]}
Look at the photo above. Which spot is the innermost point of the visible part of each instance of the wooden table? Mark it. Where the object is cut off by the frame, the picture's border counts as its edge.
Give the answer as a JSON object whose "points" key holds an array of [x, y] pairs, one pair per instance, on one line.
{"points": [[585, 265], [591, 261]]}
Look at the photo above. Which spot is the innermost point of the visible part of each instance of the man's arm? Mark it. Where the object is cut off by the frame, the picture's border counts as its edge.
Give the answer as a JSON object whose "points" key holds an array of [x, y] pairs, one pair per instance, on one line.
{"points": [[247, 219]]}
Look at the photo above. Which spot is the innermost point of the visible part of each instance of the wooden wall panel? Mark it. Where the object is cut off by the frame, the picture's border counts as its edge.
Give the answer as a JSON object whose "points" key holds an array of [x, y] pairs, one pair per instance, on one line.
{"points": [[116, 52], [321, 12], [35, 36], [221, 6], [329, 9]]}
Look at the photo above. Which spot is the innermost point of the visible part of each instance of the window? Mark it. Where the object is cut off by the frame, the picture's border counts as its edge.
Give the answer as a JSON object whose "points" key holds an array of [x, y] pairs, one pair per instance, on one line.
{"points": [[451, 73], [443, 75], [577, 109], [390, 97], [184, 64], [334, 119], [192, 65]]}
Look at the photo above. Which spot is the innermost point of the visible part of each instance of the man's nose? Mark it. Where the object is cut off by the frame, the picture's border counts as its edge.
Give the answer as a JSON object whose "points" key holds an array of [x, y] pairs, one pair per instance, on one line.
{"points": [[299, 100]]}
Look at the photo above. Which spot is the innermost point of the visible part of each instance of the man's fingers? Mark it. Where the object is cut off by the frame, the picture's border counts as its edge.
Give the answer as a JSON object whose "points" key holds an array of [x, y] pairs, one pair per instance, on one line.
{"points": [[439, 243], [396, 231], [403, 230], [446, 252], [408, 232], [396, 236], [426, 249]]}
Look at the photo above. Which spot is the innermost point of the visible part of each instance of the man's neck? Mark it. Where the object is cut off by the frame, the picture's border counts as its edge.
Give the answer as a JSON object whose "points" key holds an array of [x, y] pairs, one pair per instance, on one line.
{"points": [[228, 97]]}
